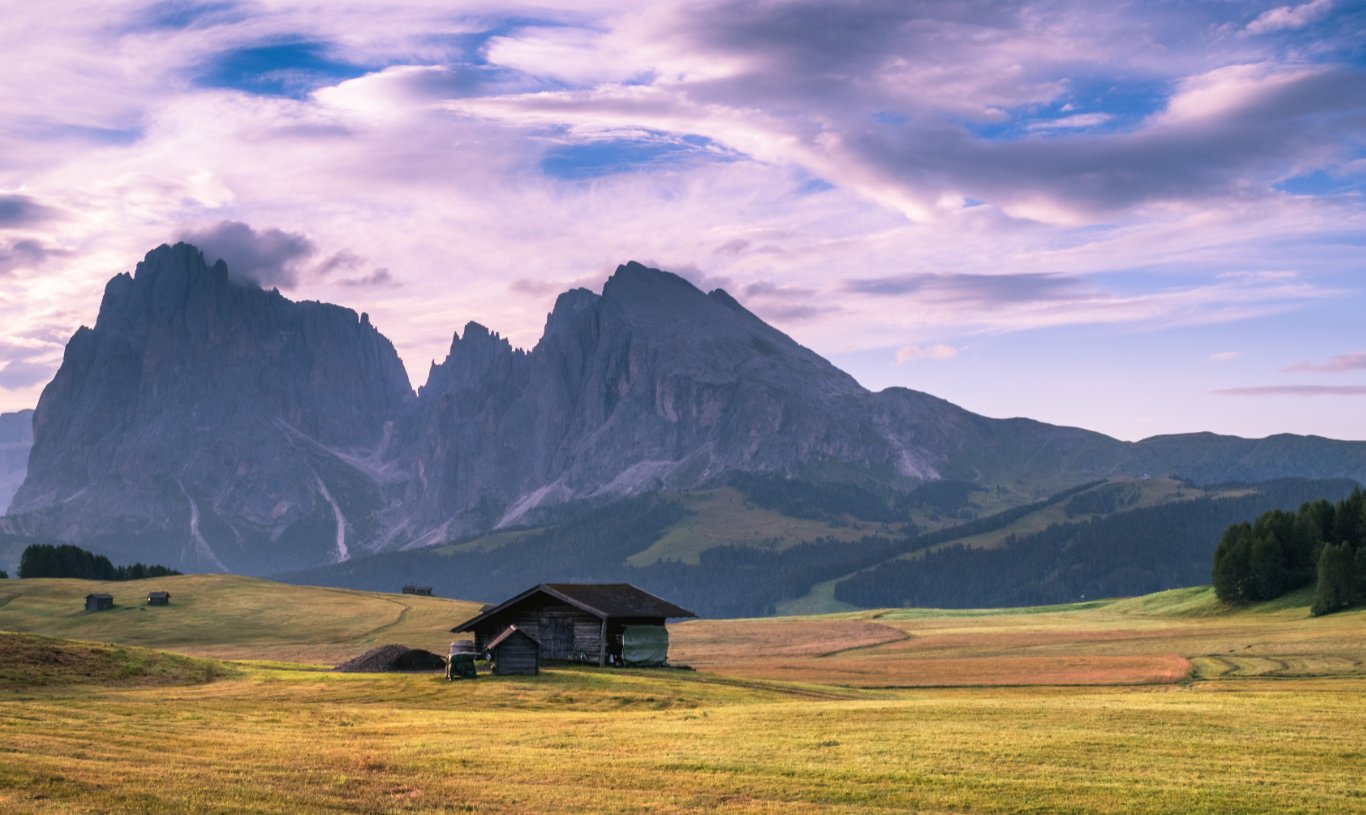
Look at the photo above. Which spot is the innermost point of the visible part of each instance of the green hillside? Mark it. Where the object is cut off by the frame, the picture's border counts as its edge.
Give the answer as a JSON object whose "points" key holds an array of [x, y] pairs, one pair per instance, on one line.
{"points": [[1114, 539], [233, 617], [766, 545]]}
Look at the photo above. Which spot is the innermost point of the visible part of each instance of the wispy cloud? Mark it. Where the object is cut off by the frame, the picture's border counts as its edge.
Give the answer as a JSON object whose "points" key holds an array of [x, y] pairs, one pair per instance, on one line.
{"points": [[1285, 18], [22, 210], [17, 374], [26, 253], [1225, 356], [860, 173], [1074, 122], [1295, 390], [1346, 362], [976, 289]]}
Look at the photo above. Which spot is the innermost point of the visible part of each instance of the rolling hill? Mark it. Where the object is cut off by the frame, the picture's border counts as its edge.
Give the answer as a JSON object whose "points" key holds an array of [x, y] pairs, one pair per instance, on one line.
{"points": [[229, 617]]}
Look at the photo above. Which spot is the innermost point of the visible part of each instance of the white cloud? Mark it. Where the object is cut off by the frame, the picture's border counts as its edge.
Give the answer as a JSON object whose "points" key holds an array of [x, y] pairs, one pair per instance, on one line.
{"points": [[1285, 18], [427, 166], [1074, 122]]}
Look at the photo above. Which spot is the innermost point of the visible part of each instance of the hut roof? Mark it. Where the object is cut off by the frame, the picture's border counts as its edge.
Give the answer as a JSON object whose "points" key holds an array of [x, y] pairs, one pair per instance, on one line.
{"points": [[512, 629], [100, 596], [161, 594], [599, 599]]}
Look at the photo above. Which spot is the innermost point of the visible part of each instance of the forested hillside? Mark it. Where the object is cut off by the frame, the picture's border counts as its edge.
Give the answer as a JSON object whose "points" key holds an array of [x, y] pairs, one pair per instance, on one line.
{"points": [[1130, 552]]}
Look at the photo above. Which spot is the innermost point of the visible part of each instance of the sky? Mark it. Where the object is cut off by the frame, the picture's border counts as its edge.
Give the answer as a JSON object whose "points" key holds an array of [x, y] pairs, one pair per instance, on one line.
{"points": [[1138, 218]]}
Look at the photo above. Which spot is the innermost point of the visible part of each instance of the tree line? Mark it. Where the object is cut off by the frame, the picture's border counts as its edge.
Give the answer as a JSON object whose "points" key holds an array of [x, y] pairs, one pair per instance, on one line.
{"points": [[1323, 543], [65, 560]]}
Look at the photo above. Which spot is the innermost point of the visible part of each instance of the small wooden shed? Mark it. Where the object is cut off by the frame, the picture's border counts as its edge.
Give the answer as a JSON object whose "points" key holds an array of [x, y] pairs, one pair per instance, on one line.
{"points": [[158, 598], [577, 622], [99, 602], [425, 591], [515, 653]]}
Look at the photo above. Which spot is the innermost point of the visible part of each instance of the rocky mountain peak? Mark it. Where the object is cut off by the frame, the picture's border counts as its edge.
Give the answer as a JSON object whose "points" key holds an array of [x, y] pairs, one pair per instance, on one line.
{"points": [[211, 424], [197, 399], [653, 296]]}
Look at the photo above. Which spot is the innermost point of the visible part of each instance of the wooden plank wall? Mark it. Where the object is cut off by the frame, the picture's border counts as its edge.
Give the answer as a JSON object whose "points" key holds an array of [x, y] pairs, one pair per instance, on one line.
{"points": [[516, 656], [587, 628]]}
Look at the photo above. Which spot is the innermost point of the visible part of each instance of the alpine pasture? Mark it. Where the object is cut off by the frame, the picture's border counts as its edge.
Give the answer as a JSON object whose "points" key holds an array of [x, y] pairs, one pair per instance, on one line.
{"points": [[1165, 703]]}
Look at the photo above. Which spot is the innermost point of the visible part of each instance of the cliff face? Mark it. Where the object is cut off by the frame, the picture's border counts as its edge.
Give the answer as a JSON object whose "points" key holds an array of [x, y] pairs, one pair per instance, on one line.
{"points": [[16, 439], [651, 385], [208, 424], [656, 385], [212, 425]]}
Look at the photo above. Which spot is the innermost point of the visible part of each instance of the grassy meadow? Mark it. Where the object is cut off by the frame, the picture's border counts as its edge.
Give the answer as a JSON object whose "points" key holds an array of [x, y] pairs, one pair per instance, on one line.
{"points": [[1166, 703], [233, 617]]}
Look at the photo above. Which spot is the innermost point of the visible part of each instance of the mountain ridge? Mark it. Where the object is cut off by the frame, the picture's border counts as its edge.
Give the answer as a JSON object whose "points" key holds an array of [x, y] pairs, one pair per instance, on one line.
{"points": [[16, 439], [211, 424]]}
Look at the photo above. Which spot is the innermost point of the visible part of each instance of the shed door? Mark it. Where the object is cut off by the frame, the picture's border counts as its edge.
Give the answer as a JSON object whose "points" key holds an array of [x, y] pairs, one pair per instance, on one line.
{"points": [[557, 637]]}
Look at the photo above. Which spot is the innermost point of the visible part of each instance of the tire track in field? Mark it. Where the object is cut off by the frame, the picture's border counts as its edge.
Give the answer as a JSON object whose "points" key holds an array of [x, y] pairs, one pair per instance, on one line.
{"points": [[900, 636], [1290, 666], [402, 615]]}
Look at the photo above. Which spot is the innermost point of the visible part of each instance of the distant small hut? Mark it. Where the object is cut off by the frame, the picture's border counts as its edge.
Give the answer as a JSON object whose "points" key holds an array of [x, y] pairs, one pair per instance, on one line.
{"points": [[596, 623], [158, 598], [515, 653], [99, 602], [425, 591]]}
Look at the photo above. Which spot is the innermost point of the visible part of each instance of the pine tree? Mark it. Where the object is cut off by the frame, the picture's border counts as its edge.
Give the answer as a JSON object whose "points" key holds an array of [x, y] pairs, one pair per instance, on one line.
{"points": [[1337, 579], [1266, 568], [1361, 572], [1232, 564], [48, 560], [1319, 517], [1349, 522]]}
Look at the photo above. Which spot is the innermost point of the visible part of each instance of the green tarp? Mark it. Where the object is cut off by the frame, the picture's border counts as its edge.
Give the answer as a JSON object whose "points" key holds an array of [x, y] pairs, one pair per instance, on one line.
{"points": [[644, 645], [460, 666]]}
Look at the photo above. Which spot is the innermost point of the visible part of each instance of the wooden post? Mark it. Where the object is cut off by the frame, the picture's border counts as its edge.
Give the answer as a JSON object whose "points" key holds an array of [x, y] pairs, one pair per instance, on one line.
{"points": [[602, 645]]}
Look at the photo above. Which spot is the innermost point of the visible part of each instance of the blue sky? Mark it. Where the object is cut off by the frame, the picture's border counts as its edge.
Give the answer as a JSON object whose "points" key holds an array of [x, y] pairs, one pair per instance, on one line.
{"points": [[1139, 218]]}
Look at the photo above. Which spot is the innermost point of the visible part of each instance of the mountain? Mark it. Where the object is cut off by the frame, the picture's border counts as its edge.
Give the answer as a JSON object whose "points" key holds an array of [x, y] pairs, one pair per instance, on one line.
{"points": [[209, 424], [16, 438], [655, 385]]}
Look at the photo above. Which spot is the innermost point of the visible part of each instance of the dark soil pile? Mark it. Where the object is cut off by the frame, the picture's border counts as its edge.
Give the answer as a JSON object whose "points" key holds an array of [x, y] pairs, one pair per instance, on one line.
{"points": [[393, 658]]}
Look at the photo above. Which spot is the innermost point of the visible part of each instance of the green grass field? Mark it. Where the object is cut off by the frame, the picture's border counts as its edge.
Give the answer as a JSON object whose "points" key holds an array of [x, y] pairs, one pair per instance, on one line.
{"points": [[233, 617], [1125, 706]]}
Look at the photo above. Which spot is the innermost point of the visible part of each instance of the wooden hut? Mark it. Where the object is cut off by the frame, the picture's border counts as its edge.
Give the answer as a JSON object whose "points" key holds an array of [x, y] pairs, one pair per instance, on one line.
{"points": [[158, 598], [425, 591], [99, 602], [577, 622], [515, 653]]}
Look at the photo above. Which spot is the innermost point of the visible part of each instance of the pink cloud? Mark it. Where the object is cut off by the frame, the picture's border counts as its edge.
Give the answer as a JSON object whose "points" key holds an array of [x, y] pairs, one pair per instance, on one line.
{"points": [[1346, 362], [1295, 390], [1285, 18]]}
